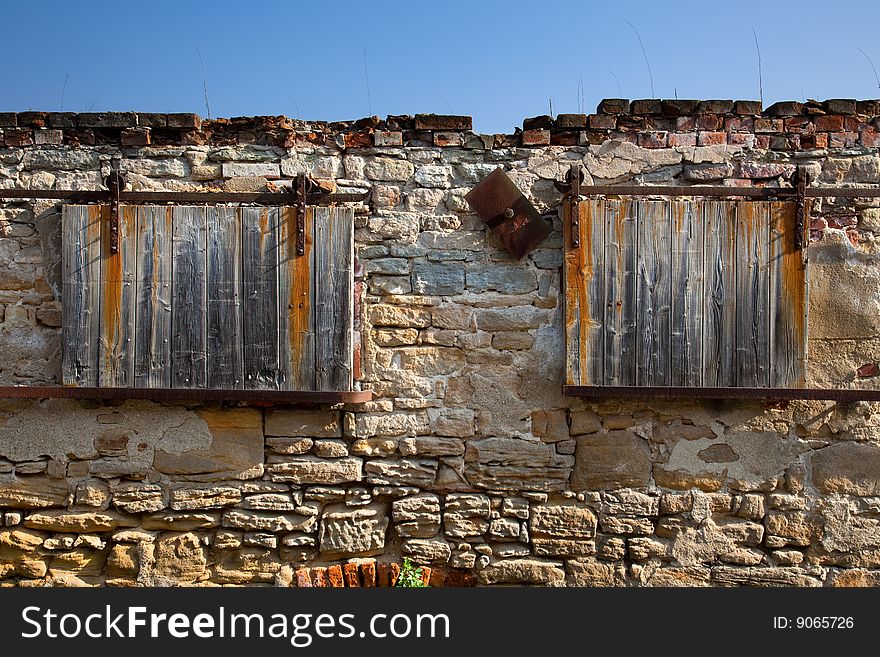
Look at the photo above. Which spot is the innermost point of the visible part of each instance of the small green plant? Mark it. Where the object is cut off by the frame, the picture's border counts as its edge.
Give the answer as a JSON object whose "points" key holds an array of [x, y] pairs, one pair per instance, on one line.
{"points": [[410, 576]]}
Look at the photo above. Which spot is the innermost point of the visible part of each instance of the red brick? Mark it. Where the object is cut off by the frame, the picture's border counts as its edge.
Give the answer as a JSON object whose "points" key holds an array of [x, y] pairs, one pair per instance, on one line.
{"points": [[748, 107], [646, 106], [840, 106], [443, 122], [679, 107], [746, 139], [361, 139], [603, 121], [438, 577], [739, 124], [566, 138], [383, 572], [653, 139], [447, 139], [319, 577], [842, 139], [786, 108], [613, 106], [819, 140], [135, 137], [682, 139], [184, 121], [842, 220], [631, 137], [799, 125], [542, 122], [334, 576], [868, 370], [851, 124], [785, 142], [571, 121], [769, 125], [426, 575], [368, 573], [715, 107], [536, 138], [586, 137], [711, 138], [659, 124], [351, 576], [869, 137], [15, 137], [708, 122], [388, 138], [302, 578], [829, 123], [685, 123]]}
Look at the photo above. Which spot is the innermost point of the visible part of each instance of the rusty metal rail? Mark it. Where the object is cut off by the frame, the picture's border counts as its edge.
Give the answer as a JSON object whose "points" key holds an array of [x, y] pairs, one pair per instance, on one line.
{"points": [[105, 196], [771, 394], [306, 397]]}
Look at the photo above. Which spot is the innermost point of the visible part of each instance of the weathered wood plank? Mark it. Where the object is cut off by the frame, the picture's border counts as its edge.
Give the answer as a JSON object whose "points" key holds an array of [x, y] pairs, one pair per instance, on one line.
{"points": [[296, 292], [788, 300], [334, 303], [753, 294], [584, 274], [81, 294], [620, 293], [152, 362], [224, 319], [653, 293], [687, 293], [260, 297], [189, 303], [118, 303], [719, 314]]}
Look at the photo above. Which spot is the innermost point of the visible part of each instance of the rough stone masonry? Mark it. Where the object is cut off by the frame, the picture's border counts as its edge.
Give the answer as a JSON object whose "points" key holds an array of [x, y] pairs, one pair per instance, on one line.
{"points": [[468, 459]]}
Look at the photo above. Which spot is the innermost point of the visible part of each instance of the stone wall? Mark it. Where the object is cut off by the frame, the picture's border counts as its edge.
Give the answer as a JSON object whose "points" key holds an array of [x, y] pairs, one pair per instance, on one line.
{"points": [[469, 458]]}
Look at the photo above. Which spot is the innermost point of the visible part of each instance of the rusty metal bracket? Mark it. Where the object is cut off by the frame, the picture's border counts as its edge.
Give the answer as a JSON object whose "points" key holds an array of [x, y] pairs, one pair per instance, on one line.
{"points": [[508, 213], [801, 211], [115, 183], [301, 214], [575, 177]]}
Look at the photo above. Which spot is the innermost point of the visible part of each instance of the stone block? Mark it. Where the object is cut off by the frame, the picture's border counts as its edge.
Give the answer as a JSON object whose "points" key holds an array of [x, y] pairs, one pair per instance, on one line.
{"points": [[617, 459], [345, 532]]}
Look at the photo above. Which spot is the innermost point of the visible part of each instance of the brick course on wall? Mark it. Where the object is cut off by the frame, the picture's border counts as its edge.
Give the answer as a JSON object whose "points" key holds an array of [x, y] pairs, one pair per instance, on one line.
{"points": [[468, 460]]}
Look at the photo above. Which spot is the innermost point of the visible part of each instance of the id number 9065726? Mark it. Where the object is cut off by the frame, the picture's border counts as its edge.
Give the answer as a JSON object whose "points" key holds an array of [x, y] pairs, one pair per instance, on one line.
{"points": [[813, 623]]}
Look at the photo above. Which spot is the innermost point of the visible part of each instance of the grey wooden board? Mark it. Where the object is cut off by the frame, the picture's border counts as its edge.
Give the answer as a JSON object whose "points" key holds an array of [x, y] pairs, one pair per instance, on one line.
{"points": [[296, 303], [259, 231], [788, 301], [224, 305], [334, 303], [188, 326], [653, 293], [686, 347], [81, 294], [573, 283], [753, 295], [719, 315], [584, 274], [118, 302], [620, 293], [152, 359]]}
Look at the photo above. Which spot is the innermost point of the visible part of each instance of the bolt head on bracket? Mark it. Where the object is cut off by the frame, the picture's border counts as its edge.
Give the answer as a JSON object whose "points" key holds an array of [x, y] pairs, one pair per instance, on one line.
{"points": [[508, 213]]}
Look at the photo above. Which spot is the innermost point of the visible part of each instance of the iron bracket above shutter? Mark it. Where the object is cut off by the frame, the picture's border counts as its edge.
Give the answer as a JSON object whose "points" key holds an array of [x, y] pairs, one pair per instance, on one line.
{"points": [[115, 183], [802, 181]]}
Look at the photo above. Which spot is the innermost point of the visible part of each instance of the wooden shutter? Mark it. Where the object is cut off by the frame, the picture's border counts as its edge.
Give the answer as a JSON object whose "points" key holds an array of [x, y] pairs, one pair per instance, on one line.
{"points": [[685, 293], [208, 297]]}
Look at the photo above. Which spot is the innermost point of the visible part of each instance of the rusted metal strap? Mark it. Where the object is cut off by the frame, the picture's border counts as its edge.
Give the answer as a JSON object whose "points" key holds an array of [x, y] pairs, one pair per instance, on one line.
{"points": [[260, 198], [802, 180], [115, 182], [301, 215], [174, 394], [773, 394], [574, 175]]}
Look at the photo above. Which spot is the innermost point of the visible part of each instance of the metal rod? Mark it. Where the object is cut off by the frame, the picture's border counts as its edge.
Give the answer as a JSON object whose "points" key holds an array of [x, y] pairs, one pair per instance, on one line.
{"points": [[164, 394], [771, 394], [268, 198], [574, 211]]}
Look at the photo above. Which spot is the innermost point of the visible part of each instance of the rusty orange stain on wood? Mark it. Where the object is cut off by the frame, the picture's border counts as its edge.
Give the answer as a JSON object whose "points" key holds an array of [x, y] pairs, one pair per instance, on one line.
{"points": [[111, 293], [298, 303]]}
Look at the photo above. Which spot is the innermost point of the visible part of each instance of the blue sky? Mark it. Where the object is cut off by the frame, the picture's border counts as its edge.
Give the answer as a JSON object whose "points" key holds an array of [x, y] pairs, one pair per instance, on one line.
{"points": [[498, 61]]}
